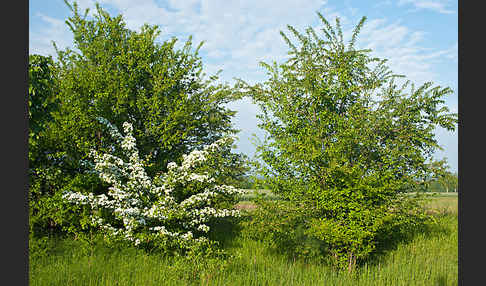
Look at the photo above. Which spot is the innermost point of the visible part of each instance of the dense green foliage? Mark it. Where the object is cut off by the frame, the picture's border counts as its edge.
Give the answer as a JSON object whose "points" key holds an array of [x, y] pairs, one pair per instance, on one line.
{"points": [[45, 174], [41, 95], [281, 226], [121, 75], [345, 141], [125, 75], [40, 100]]}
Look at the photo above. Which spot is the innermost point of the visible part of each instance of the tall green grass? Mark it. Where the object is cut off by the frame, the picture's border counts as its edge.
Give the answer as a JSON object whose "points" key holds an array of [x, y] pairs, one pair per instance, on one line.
{"points": [[430, 258]]}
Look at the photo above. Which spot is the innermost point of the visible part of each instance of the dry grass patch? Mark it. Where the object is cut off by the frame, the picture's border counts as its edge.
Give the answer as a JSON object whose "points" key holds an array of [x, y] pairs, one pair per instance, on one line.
{"points": [[442, 205]]}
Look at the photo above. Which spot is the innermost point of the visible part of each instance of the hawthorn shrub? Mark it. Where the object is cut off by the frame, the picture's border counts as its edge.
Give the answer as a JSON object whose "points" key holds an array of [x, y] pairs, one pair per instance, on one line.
{"points": [[172, 211]]}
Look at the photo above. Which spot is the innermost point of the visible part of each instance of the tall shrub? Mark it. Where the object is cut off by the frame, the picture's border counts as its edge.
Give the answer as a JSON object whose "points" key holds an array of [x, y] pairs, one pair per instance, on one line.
{"points": [[44, 173], [124, 75], [172, 211], [345, 140], [130, 76]]}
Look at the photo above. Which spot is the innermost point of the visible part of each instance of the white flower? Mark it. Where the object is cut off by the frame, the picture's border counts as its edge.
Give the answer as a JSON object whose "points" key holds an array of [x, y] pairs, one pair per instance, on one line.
{"points": [[137, 204], [203, 228], [171, 165]]}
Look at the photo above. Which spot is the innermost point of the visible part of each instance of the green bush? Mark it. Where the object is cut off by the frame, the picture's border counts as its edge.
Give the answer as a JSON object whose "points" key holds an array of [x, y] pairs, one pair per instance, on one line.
{"points": [[282, 226], [345, 141], [123, 76]]}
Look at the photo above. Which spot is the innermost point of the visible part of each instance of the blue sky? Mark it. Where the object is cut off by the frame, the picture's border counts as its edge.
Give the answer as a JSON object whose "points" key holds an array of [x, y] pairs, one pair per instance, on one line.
{"points": [[418, 37]]}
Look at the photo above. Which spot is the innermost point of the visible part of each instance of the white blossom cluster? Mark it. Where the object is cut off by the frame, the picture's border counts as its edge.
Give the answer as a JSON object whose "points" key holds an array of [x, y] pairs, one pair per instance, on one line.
{"points": [[178, 207]]}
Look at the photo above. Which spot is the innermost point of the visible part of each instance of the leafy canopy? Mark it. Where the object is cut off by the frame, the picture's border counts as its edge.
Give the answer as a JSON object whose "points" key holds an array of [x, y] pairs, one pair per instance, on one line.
{"points": [[345, 140], [125, 75], [128, 76]]}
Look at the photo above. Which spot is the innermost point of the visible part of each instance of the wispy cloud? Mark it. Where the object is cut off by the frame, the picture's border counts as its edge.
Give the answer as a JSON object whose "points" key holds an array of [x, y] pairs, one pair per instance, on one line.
{"points": [[439, 6], [238, 36], [404, 49], [40, 40]]}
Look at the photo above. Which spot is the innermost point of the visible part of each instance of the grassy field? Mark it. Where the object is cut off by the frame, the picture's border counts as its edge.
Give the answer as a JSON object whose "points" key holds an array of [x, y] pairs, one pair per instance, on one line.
{"points": [[429, 259], [252, 193], [440, 202], [443, 204]]}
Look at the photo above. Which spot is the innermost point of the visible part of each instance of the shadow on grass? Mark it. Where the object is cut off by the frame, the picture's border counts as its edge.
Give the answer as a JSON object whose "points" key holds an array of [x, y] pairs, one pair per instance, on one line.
{"points": [[390, 242], [441, 281], [292, 242], [225, 231]]}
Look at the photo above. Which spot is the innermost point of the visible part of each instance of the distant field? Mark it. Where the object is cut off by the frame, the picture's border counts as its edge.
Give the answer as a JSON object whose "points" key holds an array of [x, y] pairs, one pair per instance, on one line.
{"points": [[251, 193], [439, 203], [443, 204]]}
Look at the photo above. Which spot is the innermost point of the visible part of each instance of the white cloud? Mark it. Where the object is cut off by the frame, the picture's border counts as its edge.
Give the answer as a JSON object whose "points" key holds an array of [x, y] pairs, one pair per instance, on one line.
{"points": [[383, 3], [40, 40], [439, 6], [239, 35], [403, 49], [246, 32], [451, 53]]}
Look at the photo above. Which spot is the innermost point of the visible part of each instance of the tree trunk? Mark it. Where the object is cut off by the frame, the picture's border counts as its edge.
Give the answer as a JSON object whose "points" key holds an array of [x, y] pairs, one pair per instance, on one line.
{"points": [[351, 262]]}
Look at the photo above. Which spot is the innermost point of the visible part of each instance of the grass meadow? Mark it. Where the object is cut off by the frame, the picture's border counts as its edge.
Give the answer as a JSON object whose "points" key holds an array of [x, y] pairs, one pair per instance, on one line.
{"points": [[430, 258]]}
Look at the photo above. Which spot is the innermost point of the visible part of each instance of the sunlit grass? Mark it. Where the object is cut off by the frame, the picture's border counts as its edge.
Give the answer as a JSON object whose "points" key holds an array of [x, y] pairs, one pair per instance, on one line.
{"points": [[443, 205], [429, 259]]}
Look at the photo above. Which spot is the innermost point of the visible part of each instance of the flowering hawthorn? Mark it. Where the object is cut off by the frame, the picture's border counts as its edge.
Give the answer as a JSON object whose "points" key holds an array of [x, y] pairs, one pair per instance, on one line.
{"points": [[171, 209]]}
